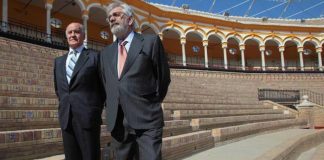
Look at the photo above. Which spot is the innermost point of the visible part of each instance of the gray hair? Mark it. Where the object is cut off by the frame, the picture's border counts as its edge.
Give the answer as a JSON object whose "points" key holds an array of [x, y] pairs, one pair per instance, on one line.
{"points": [[128, 10], [81, 27]]}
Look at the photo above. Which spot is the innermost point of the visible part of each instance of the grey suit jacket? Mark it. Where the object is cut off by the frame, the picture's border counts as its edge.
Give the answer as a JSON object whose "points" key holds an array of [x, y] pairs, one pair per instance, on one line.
{"points": [[143, 83]]}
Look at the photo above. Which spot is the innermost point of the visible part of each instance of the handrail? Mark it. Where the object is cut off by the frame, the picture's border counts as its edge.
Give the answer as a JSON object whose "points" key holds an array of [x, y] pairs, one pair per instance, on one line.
{"points": [[314, 97]]}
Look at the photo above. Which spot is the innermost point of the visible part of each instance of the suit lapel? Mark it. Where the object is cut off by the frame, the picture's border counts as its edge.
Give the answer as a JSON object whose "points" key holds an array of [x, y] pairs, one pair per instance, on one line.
{"points": [[114, 52], [133, 52], [63, 68], [81, 60]]}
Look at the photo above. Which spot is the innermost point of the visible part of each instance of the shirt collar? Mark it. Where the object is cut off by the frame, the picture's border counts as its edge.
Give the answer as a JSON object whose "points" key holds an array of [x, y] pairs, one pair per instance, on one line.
{"points": [[79, 49], [129, 38]]}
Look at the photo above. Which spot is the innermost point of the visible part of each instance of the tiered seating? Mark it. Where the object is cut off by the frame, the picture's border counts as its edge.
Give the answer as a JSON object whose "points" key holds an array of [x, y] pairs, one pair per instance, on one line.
{"points": [[201, 108]]}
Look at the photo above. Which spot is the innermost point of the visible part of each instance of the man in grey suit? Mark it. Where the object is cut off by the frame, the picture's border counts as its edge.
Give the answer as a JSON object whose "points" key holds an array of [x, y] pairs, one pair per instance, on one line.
{"points": [[78, 86], [136, 77]]}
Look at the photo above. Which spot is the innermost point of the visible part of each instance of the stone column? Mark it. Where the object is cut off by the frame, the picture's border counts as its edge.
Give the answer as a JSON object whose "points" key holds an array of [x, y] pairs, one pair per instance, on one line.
{"points": [[183, 45], [205, 44], [262, 49], [282, 57], [224, 46], [4, 25], [242, 48], [48, 7], [301, 59], [319, 57], [85, 17], [306, 111]]}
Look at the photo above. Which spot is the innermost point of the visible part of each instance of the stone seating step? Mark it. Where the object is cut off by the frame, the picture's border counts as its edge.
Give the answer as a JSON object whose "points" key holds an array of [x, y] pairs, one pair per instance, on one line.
{"points": [[218, 122], [17, 100], [23, 74], [25, 67], [28, 119], [190, 106], [27, 90], [189, 114], [197, 100], [179, 146], [25, 81], [176, 127], [27, 57], [241, 131], [31, 144]]}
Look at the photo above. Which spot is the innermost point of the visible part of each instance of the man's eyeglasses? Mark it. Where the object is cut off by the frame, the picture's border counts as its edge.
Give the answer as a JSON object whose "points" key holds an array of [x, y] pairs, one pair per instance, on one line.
{"points": [[115, 14]]}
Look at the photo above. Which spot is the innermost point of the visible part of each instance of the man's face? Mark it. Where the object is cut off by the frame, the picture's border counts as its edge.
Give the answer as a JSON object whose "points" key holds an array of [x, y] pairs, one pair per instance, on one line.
{"points": [[119, 22], [74, 34]]}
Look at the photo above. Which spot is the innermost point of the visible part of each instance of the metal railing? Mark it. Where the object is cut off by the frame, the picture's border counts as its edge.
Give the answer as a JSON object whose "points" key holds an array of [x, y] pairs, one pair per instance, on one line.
{"points": [[314, 97], [279, 96], [37, 35], [290, 96]]}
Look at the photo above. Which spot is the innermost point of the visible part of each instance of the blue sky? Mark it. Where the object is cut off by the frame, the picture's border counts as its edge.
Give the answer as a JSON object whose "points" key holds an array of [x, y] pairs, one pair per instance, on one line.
{"points": [[297, 9]]}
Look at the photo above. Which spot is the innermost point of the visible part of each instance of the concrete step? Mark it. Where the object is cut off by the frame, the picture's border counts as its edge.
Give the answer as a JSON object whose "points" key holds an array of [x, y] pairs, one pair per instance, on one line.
{"points": [[218, 122], [190, 114], [244, 130], [176, 147], [217, 106]]}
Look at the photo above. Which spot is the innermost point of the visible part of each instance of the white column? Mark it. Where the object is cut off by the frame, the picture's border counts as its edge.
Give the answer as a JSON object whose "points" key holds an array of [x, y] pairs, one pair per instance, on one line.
{"points": [[85, 18], [183, 45], [319, 56], [224, 46], [161, 36], [282, 57], [242, 48], [4, 25], [262, 49], [301, 59], [205, 44], [48, 7]]}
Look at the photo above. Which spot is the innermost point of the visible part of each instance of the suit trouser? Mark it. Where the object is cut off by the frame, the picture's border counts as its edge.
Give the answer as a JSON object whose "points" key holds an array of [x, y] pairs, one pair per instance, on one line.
{"points": [[80, 143], [142, 144]]}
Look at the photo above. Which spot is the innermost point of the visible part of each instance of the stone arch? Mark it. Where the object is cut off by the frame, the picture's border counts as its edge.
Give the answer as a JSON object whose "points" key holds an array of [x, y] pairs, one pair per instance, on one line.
{"points": [[153, 26], [219, 35], [235, 36], [312, 40], [174, 28], [276, 39], [257, 38], [200, 32], [296, 40]]}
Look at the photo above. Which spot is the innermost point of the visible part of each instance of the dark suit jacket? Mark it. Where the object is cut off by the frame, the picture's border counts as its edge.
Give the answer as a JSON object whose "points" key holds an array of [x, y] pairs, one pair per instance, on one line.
{"points": [[84, 96], [143, 83]]}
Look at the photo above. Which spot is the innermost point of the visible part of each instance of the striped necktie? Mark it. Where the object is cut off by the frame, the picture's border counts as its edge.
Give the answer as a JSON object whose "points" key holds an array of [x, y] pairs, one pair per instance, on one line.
{"points": [[71, 65], [122, 57]]}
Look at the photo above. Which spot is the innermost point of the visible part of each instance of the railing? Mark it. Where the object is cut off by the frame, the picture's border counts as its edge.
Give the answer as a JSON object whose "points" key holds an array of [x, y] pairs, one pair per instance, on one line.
{"points": [[36, 35], [290, 96], [279, 96], [314, 97]]}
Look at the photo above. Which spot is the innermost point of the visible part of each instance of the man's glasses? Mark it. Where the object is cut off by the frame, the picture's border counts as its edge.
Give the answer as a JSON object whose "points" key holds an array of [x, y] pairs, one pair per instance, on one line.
{"points": [[116, 15]]}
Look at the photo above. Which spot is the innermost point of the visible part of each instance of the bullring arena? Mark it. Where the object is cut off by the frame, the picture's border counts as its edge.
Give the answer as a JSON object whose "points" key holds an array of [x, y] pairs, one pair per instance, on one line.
{"points": [[242, 88]]}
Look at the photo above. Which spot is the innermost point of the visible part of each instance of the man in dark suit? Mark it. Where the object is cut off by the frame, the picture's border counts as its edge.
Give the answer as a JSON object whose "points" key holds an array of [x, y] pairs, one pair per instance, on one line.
{"points": [[136, 77], [79, 89]]}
